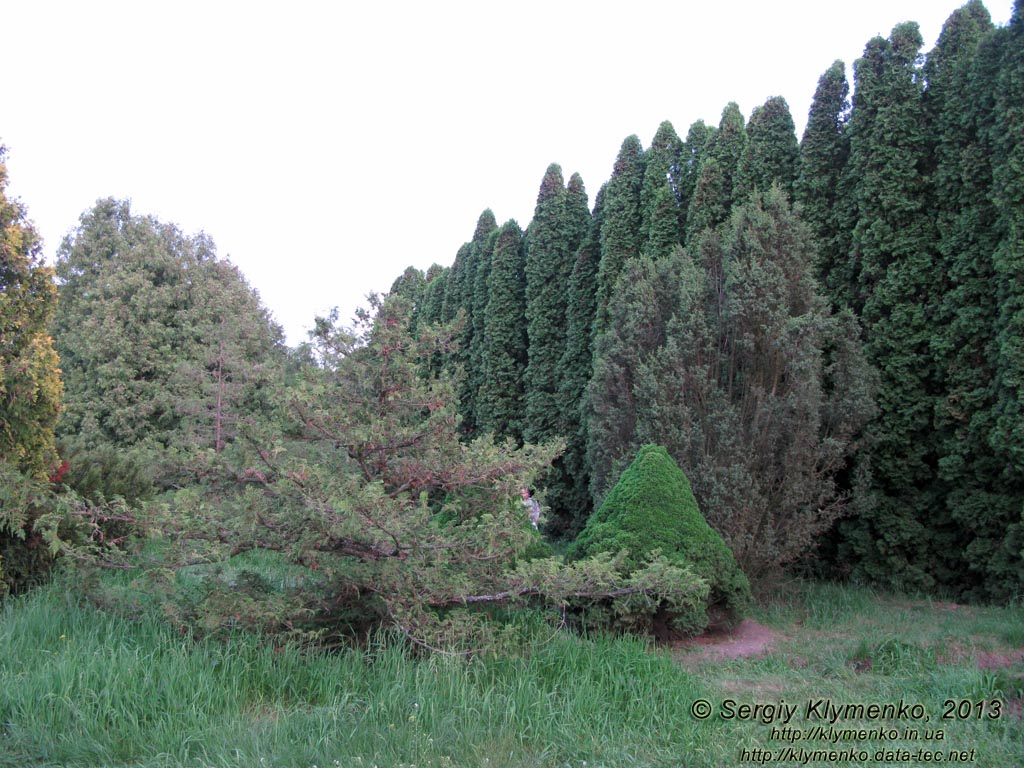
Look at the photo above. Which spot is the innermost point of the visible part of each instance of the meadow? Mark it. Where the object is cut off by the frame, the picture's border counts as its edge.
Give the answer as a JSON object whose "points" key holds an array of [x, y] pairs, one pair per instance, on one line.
{"points": [[80, 687]]}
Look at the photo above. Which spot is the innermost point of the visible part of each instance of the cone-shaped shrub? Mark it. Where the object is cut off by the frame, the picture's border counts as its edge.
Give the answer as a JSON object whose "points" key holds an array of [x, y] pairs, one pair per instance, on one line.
{"points": [[652, 507]]}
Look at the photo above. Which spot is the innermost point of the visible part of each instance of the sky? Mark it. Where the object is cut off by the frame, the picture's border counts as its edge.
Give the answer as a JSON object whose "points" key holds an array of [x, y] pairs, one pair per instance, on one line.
{"points": [[327, 146]]}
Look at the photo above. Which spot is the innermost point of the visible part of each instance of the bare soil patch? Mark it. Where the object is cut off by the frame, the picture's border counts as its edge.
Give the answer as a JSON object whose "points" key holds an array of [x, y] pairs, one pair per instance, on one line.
{"points": [[748, 639]]}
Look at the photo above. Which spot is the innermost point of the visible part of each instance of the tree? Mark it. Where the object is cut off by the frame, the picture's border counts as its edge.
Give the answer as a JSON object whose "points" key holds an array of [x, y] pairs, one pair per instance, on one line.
{"points": [[958, 104], [730, 359], [768, 391], [698, 139], [896, 291], [391, 516], [1001, 537], [164, 347], [548, 266], [650, 509], [577, 214], [30, 386], [661, 228], [462, 295], [30, 391], [824, 151], [500, 404], [620, 228], [713, 193], [771, 154], [571, 502], [432, 299]]}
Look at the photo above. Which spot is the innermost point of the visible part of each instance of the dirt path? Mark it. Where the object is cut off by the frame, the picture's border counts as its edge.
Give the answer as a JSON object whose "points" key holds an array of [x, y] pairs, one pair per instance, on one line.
{"points": [[748, 639]]}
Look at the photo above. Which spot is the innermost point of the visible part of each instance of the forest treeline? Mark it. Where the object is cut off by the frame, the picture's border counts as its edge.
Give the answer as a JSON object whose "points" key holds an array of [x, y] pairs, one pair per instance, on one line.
{"points": [[826, 335]]}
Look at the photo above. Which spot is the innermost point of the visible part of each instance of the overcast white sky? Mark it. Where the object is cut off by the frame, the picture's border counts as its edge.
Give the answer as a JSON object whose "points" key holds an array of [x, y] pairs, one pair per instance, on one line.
{"points": [[327, 146]]}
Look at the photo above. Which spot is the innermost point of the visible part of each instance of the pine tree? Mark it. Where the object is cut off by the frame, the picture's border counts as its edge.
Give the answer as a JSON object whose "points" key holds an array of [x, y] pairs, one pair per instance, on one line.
{"points": [[500, 406], [824, 152], [623, 218], [771, 154], [548, 266], [714, 192]]}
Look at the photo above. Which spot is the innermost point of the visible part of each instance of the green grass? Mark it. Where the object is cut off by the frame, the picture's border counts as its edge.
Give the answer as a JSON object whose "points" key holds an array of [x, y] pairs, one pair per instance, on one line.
{"points": [[83, 688]]}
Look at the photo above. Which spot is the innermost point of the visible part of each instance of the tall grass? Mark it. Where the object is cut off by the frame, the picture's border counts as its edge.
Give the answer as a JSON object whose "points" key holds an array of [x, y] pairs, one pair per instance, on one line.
{"points": [[82, 688]]}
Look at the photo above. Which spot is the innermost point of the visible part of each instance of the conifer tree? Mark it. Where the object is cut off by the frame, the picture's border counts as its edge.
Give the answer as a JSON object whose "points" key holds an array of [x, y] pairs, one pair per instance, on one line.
{"points": [[623, 218], [1002, 531], [577, 214], [959, 100], [472, 257], [714, 193], [432, 299], [757, 391], [164, 347], [698, 139], [824, 151], [900, 528], [571, 502], [661, 225], [548, 266], [500, 406], [30, 394], [30, 385], [771, 154]]}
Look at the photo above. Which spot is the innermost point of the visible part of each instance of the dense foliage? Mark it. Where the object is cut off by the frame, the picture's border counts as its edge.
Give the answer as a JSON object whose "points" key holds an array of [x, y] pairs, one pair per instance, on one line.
{"points": [[825, 336], [651, 509], [30, 390], [165, 350]]}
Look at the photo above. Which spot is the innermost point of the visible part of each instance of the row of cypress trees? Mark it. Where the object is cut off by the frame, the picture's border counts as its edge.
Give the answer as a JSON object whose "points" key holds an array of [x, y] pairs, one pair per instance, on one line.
{"points": [[695, 307]]}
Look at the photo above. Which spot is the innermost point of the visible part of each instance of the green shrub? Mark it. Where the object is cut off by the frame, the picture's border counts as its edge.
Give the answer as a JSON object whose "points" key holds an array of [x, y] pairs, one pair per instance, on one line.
{"points": [[652, 509]]}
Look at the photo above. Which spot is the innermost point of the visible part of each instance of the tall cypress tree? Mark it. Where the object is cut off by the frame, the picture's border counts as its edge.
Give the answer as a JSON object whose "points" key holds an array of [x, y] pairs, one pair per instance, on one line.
{"points": [[622, 221], [571, 503], [898, 533], [661, 225], [824, 151], [432, 299], [714, 193], [698, 139], [771, 154], [1003, 533], [577, 214], [959, 99], [500, 405], [548, 266], [464, 297]]}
